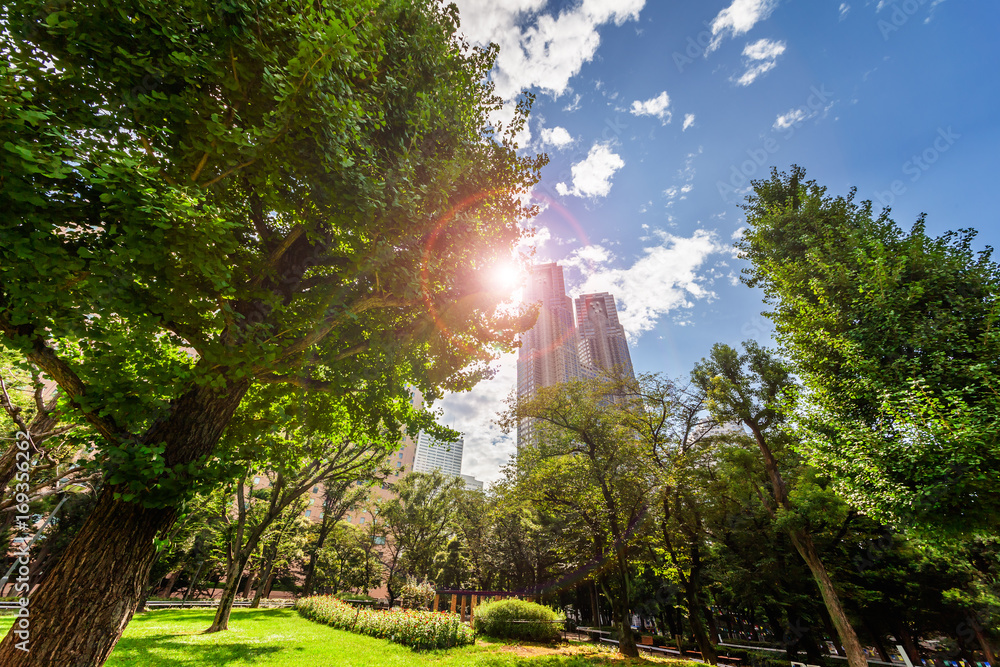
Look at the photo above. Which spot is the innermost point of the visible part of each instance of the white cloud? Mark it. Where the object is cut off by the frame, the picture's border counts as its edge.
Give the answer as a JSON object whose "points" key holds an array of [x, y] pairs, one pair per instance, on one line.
{"points": [[574, 105], [658, 106], [541, 50], [844, 9], [663, 280], [486, 447], [760, 57], [592, 176], [688, 121], [558, 137], [738, 18], [793, 117]]}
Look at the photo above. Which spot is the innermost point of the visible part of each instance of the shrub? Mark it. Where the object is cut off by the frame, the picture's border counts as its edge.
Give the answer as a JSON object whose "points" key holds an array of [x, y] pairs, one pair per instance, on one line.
{"points": [[534, 622], [416, 629], [416, 596]]}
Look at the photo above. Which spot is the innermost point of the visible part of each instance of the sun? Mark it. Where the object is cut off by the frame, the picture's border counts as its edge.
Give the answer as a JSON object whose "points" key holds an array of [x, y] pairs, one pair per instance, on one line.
{"points": [[506, 278]]}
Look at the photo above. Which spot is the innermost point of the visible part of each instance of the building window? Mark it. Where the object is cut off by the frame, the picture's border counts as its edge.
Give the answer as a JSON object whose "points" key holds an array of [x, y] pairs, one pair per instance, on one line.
{"points": [[361, 520], [256, 480], [312, 500], [379, 539], [308, 512], [315, 489], [348, 518]]}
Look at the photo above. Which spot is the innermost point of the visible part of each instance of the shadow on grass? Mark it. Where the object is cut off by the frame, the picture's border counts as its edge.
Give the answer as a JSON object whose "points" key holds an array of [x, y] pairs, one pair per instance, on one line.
{"points": [[163, 651]]}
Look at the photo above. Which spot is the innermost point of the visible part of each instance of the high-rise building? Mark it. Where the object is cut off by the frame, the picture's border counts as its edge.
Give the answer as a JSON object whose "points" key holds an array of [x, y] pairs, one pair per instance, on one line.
{"points": [[602, 342], [432, 454], [548, 353], [561, 347]]}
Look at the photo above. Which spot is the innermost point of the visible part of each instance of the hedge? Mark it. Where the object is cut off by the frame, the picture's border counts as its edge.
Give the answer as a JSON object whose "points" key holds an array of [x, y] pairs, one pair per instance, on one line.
{"points": [[535, 622], [416, 629]]}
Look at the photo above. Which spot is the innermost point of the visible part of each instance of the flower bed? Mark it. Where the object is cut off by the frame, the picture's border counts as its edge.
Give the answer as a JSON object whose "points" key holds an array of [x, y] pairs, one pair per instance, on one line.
{"points": [[416, 629]]}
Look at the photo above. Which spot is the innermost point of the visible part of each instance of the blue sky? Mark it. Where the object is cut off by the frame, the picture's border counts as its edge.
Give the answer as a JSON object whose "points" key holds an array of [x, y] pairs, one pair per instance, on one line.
{"points": [[657, 114]]}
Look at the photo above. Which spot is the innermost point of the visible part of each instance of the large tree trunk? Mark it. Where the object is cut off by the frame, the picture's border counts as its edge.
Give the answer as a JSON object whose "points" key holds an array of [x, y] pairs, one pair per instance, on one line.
{"points": [[984, 643], [697, 626], [848, 638], [307, 587], [804, 544], [80, 612]]}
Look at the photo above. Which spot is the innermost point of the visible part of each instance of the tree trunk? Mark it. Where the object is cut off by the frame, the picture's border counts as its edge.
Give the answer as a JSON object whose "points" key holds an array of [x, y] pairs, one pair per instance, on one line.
{"points": [[265, 578], [248, 585], [807, 549], [909, 645], [713, 626], [307, 587], [848, 638], [626, 640], [695, 621], [80, 612], [225, 608], [172, 581], [595, 606], [879, 645], [700, 635], [984, 643]]}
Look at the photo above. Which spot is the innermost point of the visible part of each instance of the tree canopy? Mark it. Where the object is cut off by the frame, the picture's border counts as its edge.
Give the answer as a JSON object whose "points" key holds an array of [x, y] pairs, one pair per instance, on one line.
{"points": [[894, 334]]}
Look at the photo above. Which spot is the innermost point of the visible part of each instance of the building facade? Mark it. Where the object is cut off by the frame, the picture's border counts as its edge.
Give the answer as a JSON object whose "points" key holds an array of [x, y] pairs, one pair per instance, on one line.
{"points": [[432, 455], [548, 353], [603, 346]]}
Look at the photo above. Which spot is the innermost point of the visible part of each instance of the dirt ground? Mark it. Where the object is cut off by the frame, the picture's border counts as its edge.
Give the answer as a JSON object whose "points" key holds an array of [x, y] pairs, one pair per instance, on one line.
{"points": [[606, 654]]}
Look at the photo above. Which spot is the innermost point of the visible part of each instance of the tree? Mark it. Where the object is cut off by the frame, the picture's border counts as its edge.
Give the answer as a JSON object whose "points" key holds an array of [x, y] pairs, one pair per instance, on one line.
{"points": [[318, 445], [676, 433], [416, 522], [338, 500], [895, 337], [203, 198], [755, 389], [589, 468]]}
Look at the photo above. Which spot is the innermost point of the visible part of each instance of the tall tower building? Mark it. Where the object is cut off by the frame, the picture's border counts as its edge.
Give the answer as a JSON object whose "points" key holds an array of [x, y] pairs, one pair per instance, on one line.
{"points": [[548, 353], [602, 342]]}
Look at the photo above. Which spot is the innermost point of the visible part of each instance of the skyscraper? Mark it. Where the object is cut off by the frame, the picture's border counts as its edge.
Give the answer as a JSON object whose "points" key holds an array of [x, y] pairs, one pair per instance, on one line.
{"points": [[602, 342], [561, 347], [548, 353]]}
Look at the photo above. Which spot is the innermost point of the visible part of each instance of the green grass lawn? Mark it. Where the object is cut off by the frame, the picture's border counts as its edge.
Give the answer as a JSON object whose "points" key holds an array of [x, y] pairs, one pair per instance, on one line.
{"points": [[281, 638]]}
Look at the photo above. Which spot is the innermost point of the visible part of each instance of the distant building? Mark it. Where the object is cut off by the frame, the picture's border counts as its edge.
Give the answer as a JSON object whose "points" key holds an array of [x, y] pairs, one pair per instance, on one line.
{"points": [[472, 483], [432, 454]]}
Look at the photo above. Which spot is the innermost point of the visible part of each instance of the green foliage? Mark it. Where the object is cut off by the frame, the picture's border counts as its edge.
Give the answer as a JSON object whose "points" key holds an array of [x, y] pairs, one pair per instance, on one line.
{"points": [[895, 336], [199, 198], [517, 619], [416, 629], [416, 595]]}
